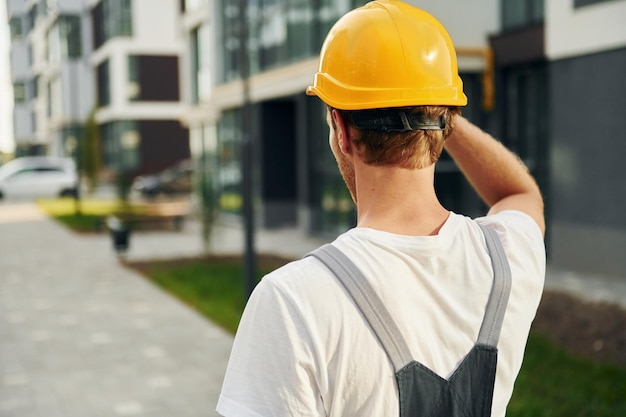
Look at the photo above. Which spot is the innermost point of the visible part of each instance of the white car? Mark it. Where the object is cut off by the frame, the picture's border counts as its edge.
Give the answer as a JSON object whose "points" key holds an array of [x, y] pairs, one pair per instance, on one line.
{"points": [[38, 176]]}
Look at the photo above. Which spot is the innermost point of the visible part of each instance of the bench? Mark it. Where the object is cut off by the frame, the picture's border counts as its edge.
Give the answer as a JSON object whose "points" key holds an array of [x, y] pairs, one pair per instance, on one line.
{"points": [[154, 216]]}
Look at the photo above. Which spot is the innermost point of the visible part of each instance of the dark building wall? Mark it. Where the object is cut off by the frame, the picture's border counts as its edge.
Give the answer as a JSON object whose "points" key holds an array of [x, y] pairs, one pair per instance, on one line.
{"points": [[157, 77], [588, 172], [278, 163], [163, 143]]}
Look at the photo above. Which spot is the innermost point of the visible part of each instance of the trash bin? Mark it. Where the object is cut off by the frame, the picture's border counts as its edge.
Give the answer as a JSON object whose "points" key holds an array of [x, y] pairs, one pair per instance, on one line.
{"points": [[120, 234]]}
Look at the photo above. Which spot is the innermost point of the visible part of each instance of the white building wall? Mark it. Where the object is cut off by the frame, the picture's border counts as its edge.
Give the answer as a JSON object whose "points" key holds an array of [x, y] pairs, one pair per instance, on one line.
{"points": [[154, 26], [585, 30], [78, 95], [15, 6], [70, 6], [22, 123], [468, 22], [19, 59], [154, 32]]}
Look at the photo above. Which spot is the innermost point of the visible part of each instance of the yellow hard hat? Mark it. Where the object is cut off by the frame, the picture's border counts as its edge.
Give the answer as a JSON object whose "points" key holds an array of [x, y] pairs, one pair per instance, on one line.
{"points": [[388, 54]]}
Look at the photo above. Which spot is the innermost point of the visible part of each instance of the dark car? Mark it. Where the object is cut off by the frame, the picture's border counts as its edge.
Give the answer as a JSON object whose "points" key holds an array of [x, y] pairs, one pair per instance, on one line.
{"points": [[176, 180]]}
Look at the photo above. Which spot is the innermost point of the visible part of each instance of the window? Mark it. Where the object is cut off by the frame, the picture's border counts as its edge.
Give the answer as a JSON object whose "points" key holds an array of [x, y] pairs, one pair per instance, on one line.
{"points": [[200, 60], [111, 18], [300, 30], [229, 169], [33, 87], [333, 208], [31, 17], [70, 137], [526, 124], [104, 84], [64, 39], [279, 31], [15, 25], [194, 57], [582, 3], [19, 92], [520, 13], [120, 143], [146, 84]]}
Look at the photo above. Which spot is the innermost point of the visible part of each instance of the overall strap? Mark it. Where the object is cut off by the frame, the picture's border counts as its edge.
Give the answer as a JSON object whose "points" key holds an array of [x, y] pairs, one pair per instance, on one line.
{"points": [[381, 322], [368, 302], [500, 290]]}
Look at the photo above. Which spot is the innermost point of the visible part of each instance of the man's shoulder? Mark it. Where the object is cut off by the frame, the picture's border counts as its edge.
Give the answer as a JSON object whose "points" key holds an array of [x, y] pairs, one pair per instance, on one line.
{"points": [[513, 223], [297, 277]]}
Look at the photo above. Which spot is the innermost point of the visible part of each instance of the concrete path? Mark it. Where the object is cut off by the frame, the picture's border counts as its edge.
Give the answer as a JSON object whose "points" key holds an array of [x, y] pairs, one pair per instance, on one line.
{"points": [[83, 336]]}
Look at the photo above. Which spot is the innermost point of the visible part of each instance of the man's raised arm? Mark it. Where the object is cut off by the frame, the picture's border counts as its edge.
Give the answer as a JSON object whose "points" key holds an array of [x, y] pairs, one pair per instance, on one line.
{"points": [[498, 175]]}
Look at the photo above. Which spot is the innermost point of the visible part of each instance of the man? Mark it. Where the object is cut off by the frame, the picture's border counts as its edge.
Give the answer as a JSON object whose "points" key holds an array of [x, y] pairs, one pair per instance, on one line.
{"points": [[304, 347]]}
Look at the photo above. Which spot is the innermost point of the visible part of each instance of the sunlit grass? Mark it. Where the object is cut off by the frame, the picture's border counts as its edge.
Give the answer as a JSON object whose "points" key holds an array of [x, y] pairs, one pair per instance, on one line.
{"points": [[67, 206], [212, 286], [86, 216]]}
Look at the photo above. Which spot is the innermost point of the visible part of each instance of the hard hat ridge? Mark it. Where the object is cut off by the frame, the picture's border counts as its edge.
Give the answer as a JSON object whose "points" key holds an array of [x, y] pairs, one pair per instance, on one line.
{"points": [[388, 54]]}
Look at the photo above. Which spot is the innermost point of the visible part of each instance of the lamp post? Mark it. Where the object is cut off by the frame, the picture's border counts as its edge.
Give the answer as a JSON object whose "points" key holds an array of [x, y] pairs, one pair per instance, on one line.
{"points": [[73, 85], [247, 150]]}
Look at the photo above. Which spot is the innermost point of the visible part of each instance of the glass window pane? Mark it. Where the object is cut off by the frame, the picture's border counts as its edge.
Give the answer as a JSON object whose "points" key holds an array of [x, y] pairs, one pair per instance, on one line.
{"points": [[70, 33], [538, 10], [19, 92], [229, 177], [513, 13], [194, 58], [104, 94], [300, 29], [15, 25]]}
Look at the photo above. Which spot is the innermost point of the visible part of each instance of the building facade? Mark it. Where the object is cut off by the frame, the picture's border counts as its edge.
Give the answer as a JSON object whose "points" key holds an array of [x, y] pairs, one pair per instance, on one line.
{"points": [[586, 48], [70, 58], [542, 76], [295, 179]]}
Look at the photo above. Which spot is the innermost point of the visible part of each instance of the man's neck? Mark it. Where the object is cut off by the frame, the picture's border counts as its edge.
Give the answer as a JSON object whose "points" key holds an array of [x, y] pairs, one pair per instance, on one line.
{"points": [[398, 200]]}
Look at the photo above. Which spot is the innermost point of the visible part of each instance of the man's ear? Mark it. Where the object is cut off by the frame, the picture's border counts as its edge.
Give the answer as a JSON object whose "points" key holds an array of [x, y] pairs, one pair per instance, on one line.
{"points": [[343, 133]]}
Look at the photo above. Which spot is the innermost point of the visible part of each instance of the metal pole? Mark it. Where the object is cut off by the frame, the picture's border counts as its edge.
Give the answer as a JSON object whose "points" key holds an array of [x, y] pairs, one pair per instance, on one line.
{"points": [[74, 82], [247, 150]]}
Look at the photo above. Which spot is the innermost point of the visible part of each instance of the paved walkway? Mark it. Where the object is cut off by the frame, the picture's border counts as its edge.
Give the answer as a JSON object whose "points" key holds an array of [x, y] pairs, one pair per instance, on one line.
{"points": [[82, 336]]}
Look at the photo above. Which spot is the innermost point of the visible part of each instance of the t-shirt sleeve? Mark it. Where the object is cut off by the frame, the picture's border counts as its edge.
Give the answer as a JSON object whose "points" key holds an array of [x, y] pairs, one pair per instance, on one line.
{"points": [[271, 370], [516, 228]]}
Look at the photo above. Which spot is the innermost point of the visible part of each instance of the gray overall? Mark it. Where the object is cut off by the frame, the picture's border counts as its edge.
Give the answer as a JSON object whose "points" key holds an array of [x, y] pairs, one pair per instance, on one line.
{"points": [[469, 390]]}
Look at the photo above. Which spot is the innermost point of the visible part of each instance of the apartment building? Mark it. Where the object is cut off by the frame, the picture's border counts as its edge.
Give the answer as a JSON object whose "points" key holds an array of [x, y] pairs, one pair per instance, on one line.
{"points": [[117, 57], [295, 179], [542, 76]]}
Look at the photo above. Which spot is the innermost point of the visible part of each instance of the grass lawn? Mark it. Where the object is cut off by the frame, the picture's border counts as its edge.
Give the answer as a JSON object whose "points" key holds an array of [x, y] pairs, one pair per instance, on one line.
{"points": [[212, 286], [91, 212], [552, 383]]}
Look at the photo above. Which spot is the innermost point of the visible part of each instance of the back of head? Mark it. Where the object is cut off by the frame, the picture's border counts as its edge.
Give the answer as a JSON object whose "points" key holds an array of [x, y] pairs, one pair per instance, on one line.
{"points": [[390, 55]]}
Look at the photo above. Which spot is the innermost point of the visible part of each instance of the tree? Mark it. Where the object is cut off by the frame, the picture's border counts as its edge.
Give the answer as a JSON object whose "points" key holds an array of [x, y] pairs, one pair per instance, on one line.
{"points": [[91, 153]]}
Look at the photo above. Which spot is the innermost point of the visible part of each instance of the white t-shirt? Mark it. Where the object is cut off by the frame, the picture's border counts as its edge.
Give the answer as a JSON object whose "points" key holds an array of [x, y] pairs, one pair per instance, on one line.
{"points": [[303, 348]]}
